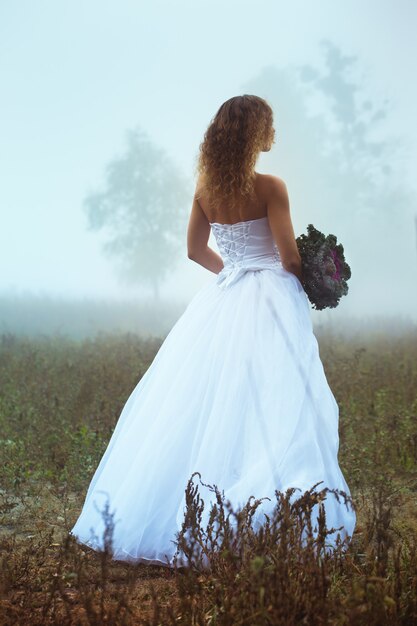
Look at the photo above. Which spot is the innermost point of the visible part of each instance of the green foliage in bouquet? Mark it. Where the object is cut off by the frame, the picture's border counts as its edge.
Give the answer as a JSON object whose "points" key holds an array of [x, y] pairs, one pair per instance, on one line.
{"points": [[324, 269]]}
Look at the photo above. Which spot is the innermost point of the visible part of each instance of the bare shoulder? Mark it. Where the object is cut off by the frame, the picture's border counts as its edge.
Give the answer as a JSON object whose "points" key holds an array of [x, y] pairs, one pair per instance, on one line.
{"points": [[273, 186]]}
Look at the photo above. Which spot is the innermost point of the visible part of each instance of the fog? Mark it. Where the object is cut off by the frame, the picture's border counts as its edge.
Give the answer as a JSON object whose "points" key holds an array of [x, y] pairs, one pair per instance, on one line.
{"points": [[79, 81]]}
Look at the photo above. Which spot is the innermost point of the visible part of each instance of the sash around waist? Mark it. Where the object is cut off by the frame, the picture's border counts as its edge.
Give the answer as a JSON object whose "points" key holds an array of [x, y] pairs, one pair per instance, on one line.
{"points": [[234, 270]]}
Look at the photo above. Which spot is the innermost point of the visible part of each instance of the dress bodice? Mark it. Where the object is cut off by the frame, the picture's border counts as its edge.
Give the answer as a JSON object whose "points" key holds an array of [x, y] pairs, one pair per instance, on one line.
{"points": [[245, 246]]}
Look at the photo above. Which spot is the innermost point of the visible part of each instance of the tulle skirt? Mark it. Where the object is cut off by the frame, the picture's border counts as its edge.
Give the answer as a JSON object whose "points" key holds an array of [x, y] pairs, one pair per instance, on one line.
{"points": [[236, 392]]}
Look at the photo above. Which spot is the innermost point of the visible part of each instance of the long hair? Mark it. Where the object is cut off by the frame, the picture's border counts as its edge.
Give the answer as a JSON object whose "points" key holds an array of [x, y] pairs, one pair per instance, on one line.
{"points": [[241, 128]]}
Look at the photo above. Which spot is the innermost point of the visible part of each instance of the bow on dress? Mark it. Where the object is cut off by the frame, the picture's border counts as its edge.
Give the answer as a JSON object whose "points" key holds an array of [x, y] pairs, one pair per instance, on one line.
{"points": [[232, 272]]}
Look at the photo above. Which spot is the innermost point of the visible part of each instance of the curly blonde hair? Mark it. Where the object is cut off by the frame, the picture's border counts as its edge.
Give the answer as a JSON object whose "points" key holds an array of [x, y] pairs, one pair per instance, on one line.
{"points": [[241, 128]]}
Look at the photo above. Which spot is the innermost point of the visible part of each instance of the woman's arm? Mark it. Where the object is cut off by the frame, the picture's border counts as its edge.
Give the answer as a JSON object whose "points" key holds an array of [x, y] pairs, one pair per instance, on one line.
{"points": [[198, 234], [278, 209]]}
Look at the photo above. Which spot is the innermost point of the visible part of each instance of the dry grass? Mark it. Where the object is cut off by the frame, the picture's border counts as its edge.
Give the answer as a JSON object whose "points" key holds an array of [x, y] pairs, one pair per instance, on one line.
{"points": [[60, 400]]}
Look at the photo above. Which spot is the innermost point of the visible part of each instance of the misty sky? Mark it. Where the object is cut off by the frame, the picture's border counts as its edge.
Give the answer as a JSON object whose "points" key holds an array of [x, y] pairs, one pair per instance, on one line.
{"points": [[76, 75]]}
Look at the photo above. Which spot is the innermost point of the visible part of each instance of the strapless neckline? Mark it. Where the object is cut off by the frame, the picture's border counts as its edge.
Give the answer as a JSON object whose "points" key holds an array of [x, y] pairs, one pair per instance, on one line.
{"points": [[237, 223]]}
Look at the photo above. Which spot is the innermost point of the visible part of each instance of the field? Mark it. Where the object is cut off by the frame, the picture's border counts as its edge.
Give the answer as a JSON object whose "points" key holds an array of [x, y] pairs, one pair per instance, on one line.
{"points": [[60, 398]]}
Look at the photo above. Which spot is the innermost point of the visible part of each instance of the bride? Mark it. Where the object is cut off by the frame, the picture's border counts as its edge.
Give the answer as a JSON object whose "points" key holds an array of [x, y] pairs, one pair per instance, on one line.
{"points": [[237, 391]]}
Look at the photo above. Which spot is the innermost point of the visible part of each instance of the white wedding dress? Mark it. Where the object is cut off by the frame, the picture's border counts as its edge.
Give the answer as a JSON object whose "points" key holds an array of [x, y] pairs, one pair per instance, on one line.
{"points": [[236, 392]]}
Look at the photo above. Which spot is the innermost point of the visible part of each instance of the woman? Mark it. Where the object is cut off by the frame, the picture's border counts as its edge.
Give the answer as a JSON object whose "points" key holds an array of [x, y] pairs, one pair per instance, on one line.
{"points": [[237, 391]]}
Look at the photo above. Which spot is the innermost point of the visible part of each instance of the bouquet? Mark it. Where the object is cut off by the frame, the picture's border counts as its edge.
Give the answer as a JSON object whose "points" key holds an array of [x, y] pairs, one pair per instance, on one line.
{"points": [[324, 269]]}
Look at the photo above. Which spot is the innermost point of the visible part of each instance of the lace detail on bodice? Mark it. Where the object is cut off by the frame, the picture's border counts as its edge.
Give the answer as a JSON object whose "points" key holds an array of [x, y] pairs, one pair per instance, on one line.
{"points": [[245, 246], [231, 242]]}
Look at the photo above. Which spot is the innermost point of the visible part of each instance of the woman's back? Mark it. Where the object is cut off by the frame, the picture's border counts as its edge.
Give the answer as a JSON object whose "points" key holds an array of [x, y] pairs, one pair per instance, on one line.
{"points": [[246, 209], [269, 201]]}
